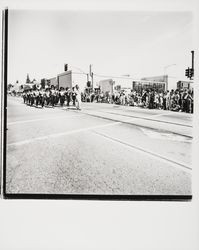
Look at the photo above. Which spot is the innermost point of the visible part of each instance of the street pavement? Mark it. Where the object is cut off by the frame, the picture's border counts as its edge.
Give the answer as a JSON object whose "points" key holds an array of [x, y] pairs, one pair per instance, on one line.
{"points": [[102, 149]]}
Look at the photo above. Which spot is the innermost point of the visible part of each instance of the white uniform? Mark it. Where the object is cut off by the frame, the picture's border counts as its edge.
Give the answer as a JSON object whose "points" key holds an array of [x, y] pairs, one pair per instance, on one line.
{"points": [[78, 98]]}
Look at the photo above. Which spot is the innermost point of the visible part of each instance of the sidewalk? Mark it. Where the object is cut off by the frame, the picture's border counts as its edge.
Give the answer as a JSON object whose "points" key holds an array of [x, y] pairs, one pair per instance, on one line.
{"points": [[133, 108]]}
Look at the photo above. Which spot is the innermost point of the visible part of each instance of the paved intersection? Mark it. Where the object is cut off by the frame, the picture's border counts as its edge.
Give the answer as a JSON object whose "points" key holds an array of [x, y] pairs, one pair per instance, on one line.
{"points": [[103, 149]]}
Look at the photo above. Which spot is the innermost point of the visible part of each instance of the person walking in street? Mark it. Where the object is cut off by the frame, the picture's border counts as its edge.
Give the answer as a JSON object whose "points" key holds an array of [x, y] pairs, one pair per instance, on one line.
{"points": [[57, 96], [78, 97], [42, 97], [36, 95], [47, 96], [68, 96], [92, 96], [62, 96], [53, 96], [31, 97], [73, 94], [24, 96]]}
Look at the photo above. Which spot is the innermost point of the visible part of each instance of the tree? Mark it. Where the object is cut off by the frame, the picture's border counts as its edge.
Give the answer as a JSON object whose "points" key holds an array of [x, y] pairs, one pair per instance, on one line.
{"points": [[28, 79], [43, 83], [9, 86]]}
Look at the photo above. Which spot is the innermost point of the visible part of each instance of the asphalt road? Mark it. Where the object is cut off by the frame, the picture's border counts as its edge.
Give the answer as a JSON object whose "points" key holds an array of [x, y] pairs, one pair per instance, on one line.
{"points": [[102, 149]]}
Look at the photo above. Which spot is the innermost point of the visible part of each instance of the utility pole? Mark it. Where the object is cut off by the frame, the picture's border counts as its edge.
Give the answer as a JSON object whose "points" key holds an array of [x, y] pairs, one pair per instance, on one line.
{"points": [[189, 72], [192, 71], [91, 75]]}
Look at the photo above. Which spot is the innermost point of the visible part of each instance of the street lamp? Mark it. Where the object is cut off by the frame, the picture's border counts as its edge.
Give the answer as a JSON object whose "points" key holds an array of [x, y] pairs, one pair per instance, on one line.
{"points": [[126, 75], [165, 76], [168, 66]]}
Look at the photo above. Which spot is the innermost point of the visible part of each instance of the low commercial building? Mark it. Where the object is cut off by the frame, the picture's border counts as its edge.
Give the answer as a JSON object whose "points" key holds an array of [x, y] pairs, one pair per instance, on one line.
{"points": [[65, 79], [141, 85], [106, 85], [117, 87], [185, 85], [157, 79], [53, 81], [68, 79]]}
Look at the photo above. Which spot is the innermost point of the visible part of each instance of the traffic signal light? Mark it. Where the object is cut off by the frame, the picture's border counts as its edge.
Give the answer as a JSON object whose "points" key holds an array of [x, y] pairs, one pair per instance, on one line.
{"points": [[89, 84], [191, 73], [187, 72], [65, 67]]}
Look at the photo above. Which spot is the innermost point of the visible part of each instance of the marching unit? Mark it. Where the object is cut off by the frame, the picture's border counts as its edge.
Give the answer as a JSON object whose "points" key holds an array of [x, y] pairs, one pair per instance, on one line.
{"points": [[52, 96]]}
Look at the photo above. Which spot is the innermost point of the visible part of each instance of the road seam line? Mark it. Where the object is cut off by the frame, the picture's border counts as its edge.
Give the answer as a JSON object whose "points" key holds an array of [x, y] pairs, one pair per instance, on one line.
{"points": [[150, 119], [43, 119], [60, 134], [181, 165], [128, 121]]}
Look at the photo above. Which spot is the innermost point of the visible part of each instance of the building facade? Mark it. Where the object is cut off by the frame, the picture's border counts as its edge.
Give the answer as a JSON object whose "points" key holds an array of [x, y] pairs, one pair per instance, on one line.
{"points": [[141, 85], [106, 85], [65, 79], [68, 79], [185, 85], [52, 81], [160, 79]]}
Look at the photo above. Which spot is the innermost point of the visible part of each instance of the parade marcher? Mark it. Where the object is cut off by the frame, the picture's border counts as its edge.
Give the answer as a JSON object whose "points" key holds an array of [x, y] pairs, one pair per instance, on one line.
{"points": [[62, 96], [73, 94], [31, 97], [47, 96], [24, 96], [92, 96], [52, 96], [42, 97], [68, 96], [37, 97], [28, 97], [78, 97], [57, 96]]}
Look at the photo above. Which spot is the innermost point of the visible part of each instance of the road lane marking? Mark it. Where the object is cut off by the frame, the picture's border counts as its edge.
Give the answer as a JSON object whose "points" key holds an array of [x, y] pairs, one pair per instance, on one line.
{"points": [[174, 163], [60, 134], [42, 119]]}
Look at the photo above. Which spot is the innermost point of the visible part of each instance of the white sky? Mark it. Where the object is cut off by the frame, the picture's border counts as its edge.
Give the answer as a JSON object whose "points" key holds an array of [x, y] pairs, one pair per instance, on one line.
{"points": [[115, 43]]}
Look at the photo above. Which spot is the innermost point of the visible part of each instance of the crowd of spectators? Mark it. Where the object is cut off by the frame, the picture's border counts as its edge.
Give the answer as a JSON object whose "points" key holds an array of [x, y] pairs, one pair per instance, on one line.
{"points": [[174, 100]]}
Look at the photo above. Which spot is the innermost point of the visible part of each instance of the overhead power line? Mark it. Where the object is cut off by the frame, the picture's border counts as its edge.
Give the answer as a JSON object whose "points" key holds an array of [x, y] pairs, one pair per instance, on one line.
{"points": [[119, 77]]}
